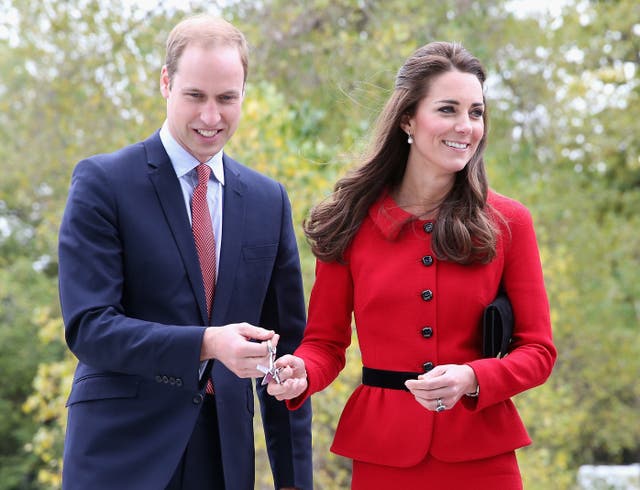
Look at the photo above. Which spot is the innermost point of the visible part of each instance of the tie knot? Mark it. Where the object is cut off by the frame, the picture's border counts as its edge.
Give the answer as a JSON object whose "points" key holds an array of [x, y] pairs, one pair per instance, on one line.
{"points": [[203, 173]]}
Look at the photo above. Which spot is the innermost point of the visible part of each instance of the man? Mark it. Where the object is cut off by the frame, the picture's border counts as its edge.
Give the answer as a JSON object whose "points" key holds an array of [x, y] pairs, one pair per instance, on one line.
{"points": [[158, 319]]}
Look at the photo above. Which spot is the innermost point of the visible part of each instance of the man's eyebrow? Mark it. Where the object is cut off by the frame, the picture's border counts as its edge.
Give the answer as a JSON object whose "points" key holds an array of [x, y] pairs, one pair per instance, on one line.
{"points": [[229, 92]]}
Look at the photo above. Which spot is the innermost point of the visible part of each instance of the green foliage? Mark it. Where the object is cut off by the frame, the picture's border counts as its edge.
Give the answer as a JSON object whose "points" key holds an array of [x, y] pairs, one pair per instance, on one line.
{"points": [[80, 77], [71, 85]]}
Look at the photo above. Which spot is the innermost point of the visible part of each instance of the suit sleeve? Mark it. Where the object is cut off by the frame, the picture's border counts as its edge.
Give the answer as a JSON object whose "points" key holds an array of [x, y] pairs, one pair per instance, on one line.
{"points": [[532, 353], [288, 433], [91, 282]]}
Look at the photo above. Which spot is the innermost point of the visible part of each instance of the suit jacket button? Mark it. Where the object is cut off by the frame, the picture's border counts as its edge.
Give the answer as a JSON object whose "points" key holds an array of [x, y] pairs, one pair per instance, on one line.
{"points": [[197, 399], [427, 260], [178, 381], [165, 379], [427, 366], [159, 378], [427, 332], [172, 380], [427, 295], [428, 227]]}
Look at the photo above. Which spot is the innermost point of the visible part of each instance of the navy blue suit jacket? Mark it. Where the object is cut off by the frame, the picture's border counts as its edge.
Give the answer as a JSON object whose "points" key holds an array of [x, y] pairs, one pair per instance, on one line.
{"points": [[134, 311]]}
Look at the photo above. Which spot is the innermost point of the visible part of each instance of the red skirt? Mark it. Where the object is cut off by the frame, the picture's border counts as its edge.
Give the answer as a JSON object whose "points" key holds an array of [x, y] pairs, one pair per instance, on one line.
{"points": [[496, 473]]}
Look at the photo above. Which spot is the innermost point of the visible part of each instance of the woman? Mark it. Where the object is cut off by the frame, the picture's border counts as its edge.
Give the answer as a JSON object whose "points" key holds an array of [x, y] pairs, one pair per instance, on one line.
{"points": [[415, 245]]}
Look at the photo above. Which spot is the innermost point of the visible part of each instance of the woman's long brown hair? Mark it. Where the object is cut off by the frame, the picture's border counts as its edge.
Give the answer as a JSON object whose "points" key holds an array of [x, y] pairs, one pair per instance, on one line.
{"points": [[463, 232]]}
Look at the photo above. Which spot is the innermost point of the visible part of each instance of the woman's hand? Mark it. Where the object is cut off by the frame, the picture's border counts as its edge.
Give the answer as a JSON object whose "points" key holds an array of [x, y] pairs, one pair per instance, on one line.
{"points": [[293, 378], [443, 386]]}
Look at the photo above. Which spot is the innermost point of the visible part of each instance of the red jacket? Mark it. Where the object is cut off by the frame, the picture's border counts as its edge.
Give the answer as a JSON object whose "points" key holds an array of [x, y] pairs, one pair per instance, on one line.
{"points": [[382, 284]]}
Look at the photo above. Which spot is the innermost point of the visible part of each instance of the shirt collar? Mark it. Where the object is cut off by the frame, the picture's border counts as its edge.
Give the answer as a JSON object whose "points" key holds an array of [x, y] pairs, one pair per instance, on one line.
{"points": [[184, 162]]}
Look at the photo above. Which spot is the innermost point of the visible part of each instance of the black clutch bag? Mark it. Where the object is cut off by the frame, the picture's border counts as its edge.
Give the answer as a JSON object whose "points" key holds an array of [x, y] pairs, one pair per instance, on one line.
{"points": [[497, 327]]}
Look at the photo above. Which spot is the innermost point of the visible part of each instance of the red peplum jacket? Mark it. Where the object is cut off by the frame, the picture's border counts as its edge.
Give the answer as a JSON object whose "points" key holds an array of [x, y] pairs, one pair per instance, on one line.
{"points": [[388, 267]]}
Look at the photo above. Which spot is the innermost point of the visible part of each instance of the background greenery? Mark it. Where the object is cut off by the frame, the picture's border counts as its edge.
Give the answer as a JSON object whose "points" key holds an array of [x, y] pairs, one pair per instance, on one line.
{"points": [[81, 76]]}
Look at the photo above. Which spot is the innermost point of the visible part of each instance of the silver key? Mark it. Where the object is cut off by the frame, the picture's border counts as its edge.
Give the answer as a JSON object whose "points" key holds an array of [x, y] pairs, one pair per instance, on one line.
{"points": [[272, 372]]}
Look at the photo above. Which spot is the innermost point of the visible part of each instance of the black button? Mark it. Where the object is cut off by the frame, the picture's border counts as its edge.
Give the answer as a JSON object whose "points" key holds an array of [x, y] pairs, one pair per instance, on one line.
{"points": [[427, 295], [427, 366], [427, 260], [197, 399], [178, 381], [159, 378], [427, 332], [172, 380], [165, 379], [428, 227]]}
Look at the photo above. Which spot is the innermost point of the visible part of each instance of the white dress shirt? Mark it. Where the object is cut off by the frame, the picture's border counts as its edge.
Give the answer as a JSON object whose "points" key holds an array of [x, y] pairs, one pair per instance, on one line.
{"points": [[184, 164]]}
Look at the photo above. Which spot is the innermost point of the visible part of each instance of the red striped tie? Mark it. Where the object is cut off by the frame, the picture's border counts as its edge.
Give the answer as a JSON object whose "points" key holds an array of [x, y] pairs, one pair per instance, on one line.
{"points": [[204, 240]]}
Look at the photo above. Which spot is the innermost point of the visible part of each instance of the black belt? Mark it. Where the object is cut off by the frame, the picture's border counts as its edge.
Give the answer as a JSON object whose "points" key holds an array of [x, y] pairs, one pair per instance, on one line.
{"points": [[387, 379]]}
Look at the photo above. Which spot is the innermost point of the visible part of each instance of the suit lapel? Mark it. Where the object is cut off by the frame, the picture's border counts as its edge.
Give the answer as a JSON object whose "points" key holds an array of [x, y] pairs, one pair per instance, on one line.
{"points": [[169, 193], [232, 233]]}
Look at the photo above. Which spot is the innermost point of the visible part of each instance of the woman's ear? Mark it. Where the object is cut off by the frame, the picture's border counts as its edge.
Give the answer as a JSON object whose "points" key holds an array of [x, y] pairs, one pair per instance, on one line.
{"points": [[405, 123]]}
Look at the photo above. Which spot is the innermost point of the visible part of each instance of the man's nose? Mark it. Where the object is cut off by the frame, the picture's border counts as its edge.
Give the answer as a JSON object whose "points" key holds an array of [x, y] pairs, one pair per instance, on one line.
{"points": [[210, 114]]}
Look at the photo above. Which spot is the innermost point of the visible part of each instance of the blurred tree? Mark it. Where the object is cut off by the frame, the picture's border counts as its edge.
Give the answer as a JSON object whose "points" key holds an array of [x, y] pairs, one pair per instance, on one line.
{"points": [[71, 84], [573, 102]]}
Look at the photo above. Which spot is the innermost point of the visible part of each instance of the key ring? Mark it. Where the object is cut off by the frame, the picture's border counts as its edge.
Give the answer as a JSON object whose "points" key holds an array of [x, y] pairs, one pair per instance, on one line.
{"points": [[271, 373]]}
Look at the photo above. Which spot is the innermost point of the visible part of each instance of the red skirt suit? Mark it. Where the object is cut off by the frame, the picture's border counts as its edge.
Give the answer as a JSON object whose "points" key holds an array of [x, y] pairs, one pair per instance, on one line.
{"points": [[383, 283]]}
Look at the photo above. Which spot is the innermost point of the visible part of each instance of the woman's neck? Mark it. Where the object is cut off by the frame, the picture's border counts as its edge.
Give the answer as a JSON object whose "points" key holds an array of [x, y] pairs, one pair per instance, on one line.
{"points": [[422, 198]]}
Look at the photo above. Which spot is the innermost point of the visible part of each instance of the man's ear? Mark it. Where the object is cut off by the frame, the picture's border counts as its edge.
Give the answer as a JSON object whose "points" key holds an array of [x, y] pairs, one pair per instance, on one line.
{"points": [[165, 82]]}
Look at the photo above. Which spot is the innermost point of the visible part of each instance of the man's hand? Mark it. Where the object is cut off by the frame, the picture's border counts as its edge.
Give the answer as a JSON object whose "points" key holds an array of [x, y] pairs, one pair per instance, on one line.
{"points": [[235, 346], [293, 378]]}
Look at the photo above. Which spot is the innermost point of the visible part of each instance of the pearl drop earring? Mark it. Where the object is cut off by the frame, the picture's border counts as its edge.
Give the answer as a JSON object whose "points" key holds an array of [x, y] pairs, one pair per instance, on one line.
{"points": [[410, 138]]}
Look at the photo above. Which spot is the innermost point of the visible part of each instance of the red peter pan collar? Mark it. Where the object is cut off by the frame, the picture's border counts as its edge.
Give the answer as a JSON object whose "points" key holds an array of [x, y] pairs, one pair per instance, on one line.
{"points": [[388, 217]]}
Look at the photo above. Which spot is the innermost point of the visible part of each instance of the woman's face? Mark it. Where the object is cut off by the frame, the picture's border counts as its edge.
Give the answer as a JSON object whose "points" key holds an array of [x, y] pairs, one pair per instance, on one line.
{"points": [[447, 125]]}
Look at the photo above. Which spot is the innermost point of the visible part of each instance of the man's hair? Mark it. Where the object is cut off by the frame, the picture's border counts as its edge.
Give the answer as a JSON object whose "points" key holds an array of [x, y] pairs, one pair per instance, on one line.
{"points": [[205, 30]]}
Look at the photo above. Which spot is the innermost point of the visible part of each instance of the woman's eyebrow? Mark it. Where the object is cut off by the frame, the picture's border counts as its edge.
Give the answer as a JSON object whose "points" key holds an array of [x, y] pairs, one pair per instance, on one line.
{"points": [[455, 102]]}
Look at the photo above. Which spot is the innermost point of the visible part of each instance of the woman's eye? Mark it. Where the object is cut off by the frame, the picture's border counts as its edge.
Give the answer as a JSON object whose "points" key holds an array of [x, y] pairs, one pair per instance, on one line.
{"points": [[447, 109]]}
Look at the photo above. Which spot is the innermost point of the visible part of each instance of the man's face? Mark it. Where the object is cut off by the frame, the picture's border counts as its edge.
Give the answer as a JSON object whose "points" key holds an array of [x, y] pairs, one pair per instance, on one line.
{"points": [[204, 99]]}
